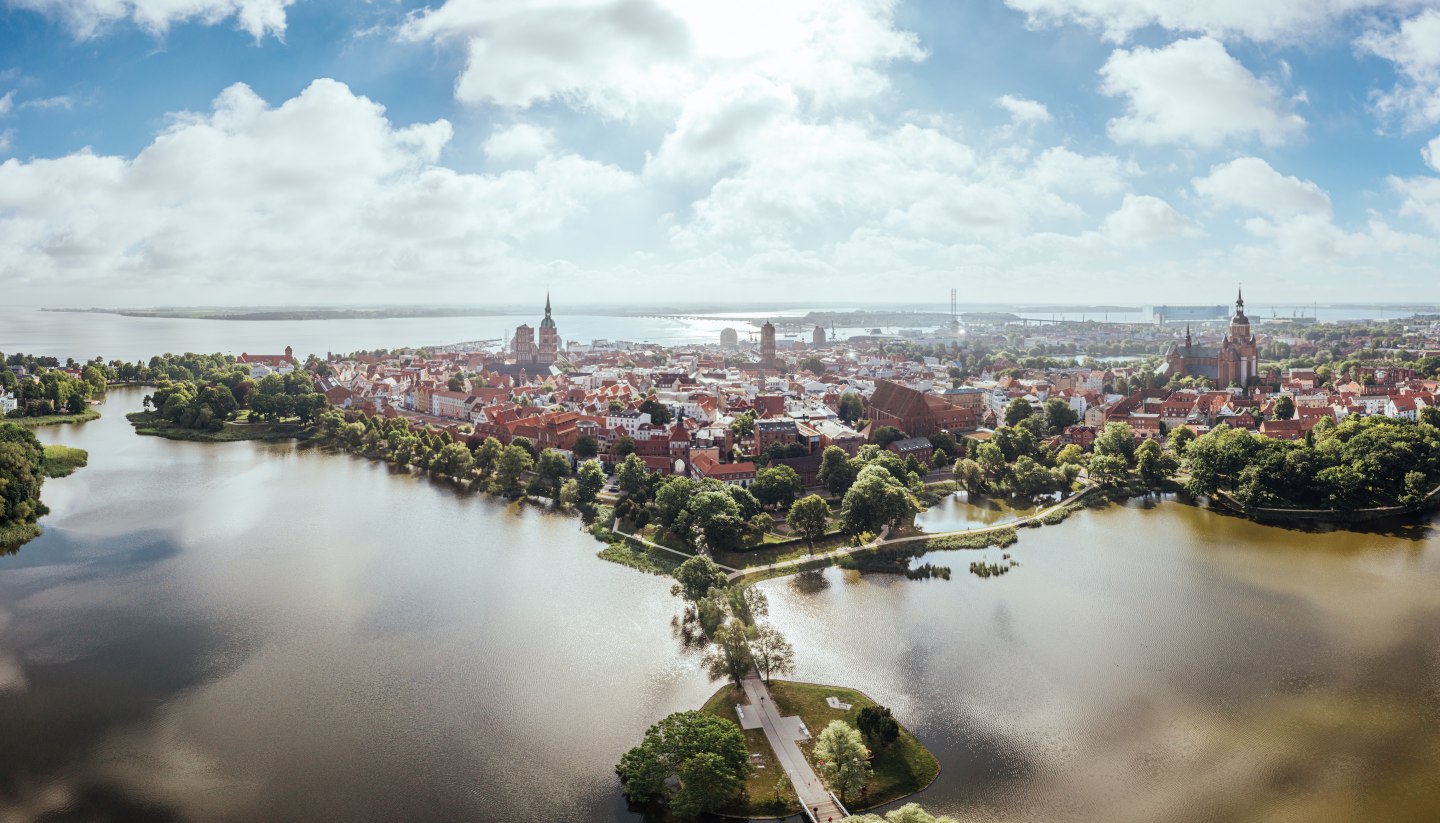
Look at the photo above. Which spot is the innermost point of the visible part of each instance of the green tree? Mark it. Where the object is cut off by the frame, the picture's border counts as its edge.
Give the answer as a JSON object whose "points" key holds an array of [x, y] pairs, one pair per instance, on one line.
{"points": [[1059, 415], [909, 813], [1284, 407], [1180, 439], [851, 408], [1108, 469], [729, 659], [589, 480], [1155, 466], [630, 477], [1430, 416], [1117, 439], [969, 475], [623, 448], [586, 447], [1070, 455], [875, 500], [776, 486], [707, 753], [841, 753], [1019, 409], [696, 577], [659, 412], [809, 517], [550, 470], [885, 435], [878, 725], [836, 470], [514, 462], [743, 425], [771, 652]]}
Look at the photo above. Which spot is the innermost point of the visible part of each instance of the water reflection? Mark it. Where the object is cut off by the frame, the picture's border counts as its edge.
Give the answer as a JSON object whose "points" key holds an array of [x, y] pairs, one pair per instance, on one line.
{"points": [[270, 632], [1155, 663]]}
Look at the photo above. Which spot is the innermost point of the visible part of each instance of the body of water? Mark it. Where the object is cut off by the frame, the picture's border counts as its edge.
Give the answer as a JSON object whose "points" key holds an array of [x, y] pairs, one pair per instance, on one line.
{"points": [[244, 632]]}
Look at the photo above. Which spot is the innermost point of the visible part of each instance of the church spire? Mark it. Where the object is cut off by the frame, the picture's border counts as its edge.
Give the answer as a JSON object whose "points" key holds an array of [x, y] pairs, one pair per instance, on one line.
{"points": [[547, 304], [1239, 299], [1187, 335]]}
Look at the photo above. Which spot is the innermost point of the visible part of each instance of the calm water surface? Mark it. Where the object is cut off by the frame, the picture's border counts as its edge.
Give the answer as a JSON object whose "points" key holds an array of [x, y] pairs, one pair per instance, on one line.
{"points": [[252, 632]]}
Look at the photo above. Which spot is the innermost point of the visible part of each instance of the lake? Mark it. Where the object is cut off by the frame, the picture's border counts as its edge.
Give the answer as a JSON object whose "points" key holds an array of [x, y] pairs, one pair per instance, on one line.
{"points": [[246, 632]]}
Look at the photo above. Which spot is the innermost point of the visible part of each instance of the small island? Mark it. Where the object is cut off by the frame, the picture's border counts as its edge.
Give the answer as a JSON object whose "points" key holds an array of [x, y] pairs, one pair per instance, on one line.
{"points": [[838, 751]]}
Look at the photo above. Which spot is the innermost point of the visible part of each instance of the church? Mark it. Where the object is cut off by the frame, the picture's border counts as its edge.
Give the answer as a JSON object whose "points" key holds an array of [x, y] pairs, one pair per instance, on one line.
{"points": [[1235, 363], [527, 353]]}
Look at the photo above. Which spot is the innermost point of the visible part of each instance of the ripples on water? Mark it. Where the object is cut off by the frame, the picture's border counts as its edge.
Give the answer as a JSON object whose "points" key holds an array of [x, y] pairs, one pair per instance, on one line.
{"points": [[269, 632]]}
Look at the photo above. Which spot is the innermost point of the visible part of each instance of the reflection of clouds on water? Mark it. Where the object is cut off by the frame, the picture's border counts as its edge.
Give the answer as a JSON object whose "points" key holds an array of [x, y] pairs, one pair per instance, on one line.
{"points": [[1157, 664]]}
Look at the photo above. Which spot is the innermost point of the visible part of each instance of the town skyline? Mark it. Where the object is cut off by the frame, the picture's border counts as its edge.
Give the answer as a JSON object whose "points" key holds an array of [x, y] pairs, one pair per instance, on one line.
{"points": [[304, 152]]}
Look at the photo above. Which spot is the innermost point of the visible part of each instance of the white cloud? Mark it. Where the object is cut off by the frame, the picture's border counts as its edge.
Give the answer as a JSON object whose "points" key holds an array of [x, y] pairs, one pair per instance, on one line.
{"points": [[719, 126], [620, 57], [1192, 92], [1143, 219], [7, 103], [319, 192], [89, 18], [1263, 20], [1431, 153], [1251, 183], [1024, 111], [1414, 48], [518, 143]]}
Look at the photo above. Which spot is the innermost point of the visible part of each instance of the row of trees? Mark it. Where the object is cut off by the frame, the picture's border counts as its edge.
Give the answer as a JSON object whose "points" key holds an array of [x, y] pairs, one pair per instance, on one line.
{"points": [[1359, 463], [481, 464], [22, 473]]}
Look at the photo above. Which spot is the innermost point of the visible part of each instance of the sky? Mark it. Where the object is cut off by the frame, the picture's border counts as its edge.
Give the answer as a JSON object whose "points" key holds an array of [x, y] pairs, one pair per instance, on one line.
{"points": [[319, 152]]}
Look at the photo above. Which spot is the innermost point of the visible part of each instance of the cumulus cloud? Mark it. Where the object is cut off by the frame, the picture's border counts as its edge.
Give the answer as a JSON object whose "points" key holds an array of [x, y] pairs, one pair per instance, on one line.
{"points": [[518, 143], [1143, 219], [619, 57], [7, 103], [89, 18], [1251, 183], [318, 192], [1024, 111], [1263, 20], [1414, 48], [1193, 92]]}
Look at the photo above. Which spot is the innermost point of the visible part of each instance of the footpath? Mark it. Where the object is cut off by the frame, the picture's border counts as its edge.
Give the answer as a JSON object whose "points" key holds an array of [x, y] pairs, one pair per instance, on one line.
{"points": [[881, 541]]}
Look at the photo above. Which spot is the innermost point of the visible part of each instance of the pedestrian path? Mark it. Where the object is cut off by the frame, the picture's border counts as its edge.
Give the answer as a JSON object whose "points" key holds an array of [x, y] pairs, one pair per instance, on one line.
{"points": [[783, 734]]}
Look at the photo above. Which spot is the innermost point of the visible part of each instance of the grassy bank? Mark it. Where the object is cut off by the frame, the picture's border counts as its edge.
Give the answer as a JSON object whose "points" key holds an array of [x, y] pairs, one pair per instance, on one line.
{"points": [[758, 797], [56, 419], [148, 423], [62, 461], [901, 769]]}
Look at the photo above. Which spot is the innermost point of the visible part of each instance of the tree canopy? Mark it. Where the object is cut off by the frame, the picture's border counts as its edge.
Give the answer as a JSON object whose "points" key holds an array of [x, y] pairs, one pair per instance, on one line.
{"points": [[706, 753]]}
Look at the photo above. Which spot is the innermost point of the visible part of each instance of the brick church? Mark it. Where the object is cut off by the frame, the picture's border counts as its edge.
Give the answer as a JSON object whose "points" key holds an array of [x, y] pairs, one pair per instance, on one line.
{"points": [[1236, 362]]}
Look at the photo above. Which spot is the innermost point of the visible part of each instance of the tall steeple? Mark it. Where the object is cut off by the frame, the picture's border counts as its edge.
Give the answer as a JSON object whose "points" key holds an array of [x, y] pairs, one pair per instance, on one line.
{"points": [[1187, 335], [1239, 300]]}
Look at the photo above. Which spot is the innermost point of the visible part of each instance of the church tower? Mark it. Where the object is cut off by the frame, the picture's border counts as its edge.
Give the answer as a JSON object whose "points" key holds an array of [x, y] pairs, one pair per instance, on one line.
{"points": [[549, 338], [767, 346], [1239, 361]]}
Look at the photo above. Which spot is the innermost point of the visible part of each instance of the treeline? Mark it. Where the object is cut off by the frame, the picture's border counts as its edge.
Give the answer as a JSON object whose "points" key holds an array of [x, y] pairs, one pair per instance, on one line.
{"points": [[223, 389], [481, 464], [48, 389], [1362, 462], [22, 473]]}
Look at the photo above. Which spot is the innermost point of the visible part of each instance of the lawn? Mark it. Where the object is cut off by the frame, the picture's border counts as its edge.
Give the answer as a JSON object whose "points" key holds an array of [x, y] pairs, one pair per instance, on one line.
{"points": [[61, 461], [628, 553], [903, 768], [759, 790], [55, 419], [148, 423]]}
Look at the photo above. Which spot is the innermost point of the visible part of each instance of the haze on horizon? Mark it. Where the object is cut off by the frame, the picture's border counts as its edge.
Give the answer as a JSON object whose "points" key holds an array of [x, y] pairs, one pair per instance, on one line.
{"points": [[325, 153]]}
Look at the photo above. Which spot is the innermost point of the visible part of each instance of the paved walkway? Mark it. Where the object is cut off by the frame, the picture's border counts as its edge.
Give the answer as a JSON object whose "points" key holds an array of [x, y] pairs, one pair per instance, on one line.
{"points": [[783, 732], [881, 541]]}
